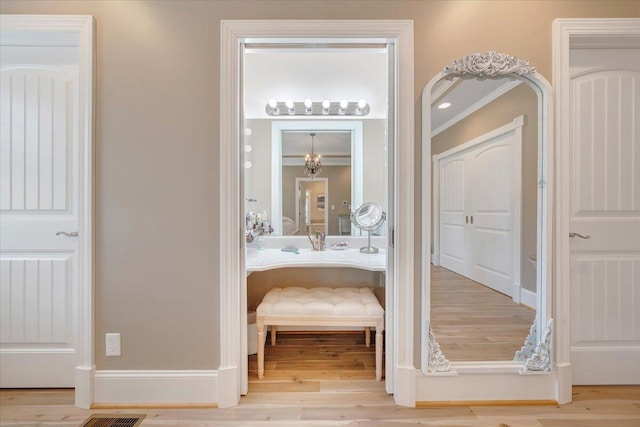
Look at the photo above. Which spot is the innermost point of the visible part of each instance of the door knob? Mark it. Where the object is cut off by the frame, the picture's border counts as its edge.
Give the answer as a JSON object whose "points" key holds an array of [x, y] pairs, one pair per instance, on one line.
{"points": [[64, 233], [572, 234]]}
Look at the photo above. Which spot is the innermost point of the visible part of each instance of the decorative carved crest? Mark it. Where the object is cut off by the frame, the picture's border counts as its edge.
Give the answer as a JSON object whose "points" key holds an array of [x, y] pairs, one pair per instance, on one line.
{"points": [[529, 345], [488, 64], [436, 362], [541, 358]]}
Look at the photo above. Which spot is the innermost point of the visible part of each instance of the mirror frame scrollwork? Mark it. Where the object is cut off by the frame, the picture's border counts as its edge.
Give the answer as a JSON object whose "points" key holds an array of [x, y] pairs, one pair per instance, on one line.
{"points": [[536, 353]]}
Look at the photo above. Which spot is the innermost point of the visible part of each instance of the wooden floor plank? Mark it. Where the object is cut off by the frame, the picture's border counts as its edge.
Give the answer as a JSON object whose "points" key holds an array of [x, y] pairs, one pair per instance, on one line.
{"points": [[473, 322], [353, 403], [315, 357]]}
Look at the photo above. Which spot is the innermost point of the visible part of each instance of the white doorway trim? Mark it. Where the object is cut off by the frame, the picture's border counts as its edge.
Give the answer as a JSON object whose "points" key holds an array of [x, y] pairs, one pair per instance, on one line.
{"points": [[568, 33], [357, 159], [325, 182], [83, 25], [232, 278]]}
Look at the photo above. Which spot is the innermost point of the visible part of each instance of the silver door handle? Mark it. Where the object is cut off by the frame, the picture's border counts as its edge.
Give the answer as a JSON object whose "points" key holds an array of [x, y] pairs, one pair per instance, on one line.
{"points": [[572, 234], [64, 233]]}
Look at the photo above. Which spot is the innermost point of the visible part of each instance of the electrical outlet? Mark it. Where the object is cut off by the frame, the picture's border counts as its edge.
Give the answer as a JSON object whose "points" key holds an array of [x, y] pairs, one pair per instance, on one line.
{"points": [[113, 344]]}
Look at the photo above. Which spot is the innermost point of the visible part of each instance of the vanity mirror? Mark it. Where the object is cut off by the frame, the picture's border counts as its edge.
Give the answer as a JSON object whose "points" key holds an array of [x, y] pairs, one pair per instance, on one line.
{"points": [[368, 217], [485, 209], [296, 202]]}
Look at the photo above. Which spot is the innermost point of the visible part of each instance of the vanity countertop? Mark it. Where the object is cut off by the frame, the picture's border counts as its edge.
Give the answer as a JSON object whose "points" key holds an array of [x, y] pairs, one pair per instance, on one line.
{"points": [[267, 259]]}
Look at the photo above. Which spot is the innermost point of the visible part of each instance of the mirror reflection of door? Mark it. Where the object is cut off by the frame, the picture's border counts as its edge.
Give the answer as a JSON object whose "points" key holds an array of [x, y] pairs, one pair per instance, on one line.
{"points": [[310, 216], [485, 152]]}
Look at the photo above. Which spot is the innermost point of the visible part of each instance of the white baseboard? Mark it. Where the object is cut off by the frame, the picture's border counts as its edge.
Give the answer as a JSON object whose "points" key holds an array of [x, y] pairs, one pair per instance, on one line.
{"points": [[435, 259], [484, 387], [528, 298], [155, 387]]}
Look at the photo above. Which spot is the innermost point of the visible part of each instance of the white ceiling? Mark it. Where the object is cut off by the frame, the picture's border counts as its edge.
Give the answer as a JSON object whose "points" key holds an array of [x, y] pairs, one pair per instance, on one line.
{"points": [[317, 74], [465, 97], [325, 143], [337, 73]]}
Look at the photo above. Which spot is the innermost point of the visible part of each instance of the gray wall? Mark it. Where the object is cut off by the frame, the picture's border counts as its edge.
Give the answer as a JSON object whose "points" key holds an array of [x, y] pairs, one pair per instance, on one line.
{"points": [[157, 144]]}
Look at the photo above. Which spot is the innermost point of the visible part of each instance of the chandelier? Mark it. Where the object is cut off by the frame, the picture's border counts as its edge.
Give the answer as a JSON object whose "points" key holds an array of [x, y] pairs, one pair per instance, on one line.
{"points": [[312, 165]]}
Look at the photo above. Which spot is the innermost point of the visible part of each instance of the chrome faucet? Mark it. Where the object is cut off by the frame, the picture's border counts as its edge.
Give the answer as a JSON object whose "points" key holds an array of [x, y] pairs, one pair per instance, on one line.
{"points": [[317, 240]]}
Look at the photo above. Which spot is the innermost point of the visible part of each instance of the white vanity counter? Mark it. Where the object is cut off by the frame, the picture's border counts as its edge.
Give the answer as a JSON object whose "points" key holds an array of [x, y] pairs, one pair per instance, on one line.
{"points": [[270, 257], [267, 259]]}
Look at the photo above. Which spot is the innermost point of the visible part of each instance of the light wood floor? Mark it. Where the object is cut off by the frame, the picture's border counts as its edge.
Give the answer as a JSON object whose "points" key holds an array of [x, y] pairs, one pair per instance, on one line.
{"points": [[612, 406], [305, 361], [474, 322], [328, 380]]}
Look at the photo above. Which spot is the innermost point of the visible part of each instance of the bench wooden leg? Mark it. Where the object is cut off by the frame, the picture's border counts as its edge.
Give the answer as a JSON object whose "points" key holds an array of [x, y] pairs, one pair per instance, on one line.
{"points": [[260, 327], [367, 336], [273, 334], [378, 354]]}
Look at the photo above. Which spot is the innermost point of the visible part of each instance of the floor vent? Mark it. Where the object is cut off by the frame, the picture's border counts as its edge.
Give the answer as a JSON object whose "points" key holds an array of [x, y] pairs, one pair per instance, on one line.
{"points": [[111, 420]]}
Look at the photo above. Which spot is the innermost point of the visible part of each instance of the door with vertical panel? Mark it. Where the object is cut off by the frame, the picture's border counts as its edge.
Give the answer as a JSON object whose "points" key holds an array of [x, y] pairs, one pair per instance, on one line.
{"points": [[492, 209], [38, 202], [605, 216], [454, 241], [479, 209]]}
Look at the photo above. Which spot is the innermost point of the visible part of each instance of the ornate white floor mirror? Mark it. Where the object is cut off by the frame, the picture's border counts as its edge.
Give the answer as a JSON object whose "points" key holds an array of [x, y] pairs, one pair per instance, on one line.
{"points": [[471, 216]]}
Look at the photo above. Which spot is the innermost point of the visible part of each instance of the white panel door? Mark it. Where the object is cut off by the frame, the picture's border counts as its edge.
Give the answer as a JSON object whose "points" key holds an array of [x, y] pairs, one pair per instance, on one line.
{"points": [[491, 221], [605, 206], [454, 245], [479, 209], [38, 198]]}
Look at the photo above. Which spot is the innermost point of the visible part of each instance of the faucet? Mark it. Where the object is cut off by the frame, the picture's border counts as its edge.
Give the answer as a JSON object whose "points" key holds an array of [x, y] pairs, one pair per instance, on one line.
{"points": [[317, 240]]}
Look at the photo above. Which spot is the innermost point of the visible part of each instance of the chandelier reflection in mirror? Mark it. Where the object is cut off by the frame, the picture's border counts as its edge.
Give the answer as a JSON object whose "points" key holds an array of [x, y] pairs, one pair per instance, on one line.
{"points": [[312, 164]]}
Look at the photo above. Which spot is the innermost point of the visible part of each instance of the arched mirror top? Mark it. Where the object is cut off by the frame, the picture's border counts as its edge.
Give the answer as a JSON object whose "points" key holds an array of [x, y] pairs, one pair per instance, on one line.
{"points": [[499, 73]]}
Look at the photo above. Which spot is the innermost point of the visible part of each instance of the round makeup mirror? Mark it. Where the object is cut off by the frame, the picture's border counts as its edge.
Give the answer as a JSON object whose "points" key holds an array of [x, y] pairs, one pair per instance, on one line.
{"points": [[368, 217]]}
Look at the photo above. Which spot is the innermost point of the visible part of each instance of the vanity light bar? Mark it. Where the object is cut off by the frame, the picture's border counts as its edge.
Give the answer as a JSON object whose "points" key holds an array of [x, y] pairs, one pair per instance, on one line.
{"points": [[321, 108]]}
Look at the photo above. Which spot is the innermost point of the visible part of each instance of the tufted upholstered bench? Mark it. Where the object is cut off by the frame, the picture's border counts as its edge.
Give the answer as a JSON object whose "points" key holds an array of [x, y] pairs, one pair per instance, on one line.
{"points": [[295, 306]]}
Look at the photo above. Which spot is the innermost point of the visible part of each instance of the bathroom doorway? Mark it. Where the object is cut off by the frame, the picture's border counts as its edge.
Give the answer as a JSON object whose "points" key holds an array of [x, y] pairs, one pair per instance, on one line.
{"points": [[320, 164], [395, 38]]}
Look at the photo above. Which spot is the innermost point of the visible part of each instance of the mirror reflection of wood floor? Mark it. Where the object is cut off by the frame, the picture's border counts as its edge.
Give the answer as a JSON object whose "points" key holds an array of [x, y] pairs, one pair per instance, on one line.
{"points": [[474, 322]]}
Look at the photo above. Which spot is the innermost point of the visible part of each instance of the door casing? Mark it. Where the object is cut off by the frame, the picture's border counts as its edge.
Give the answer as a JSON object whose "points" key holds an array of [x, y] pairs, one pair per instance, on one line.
{"points": [[400, 323], [567, 33]]}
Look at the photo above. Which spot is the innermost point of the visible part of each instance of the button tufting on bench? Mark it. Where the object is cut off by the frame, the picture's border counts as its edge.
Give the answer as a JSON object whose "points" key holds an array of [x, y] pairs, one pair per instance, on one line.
{"points": [[321, 302]]}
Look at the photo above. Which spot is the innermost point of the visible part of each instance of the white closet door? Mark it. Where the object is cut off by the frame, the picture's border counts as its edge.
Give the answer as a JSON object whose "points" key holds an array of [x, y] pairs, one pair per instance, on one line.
{"points": [[38, 198], [491, 208], [454, 239], [479, 199], [605, 204]]}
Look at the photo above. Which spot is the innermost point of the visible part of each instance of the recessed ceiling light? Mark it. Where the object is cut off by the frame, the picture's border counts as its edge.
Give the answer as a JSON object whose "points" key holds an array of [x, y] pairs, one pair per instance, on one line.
{"points": [[444, 105]]}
